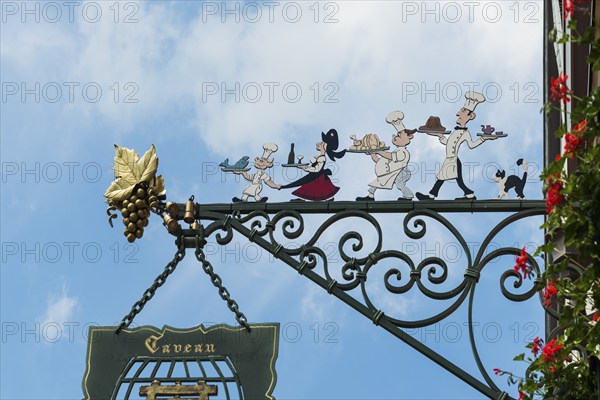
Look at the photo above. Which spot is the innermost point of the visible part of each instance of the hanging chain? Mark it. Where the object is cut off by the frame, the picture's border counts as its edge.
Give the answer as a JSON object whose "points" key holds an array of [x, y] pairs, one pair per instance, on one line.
{"points": [[158, 282], [218, 282]]}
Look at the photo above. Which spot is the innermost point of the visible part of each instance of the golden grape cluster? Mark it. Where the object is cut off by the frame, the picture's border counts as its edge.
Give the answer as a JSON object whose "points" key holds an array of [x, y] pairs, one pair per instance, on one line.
{"points": [[136, 211]]}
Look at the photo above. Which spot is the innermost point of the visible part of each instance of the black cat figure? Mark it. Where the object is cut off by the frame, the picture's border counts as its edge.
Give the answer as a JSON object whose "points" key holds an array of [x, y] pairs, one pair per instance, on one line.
{"points": [[505, 183]]}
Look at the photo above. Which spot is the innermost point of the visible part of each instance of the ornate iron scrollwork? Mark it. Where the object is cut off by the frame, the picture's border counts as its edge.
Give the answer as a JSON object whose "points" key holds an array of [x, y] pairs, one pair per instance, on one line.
{"points": [[263, 223]]}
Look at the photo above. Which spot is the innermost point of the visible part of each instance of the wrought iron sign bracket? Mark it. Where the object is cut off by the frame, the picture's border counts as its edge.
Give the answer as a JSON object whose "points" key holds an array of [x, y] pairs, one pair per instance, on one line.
{"points": [[259, 221]]}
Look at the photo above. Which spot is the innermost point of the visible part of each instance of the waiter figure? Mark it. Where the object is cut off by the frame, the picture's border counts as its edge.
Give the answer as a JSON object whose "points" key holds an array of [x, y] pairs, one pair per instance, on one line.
{"points": [[452, 167], [390, 166], [261, 164]]}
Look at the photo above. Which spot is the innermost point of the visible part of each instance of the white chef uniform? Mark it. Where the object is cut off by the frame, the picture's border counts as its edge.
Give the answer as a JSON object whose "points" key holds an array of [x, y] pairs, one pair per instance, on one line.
{"points": [[387, 170], [256, 186], [393, 171], [449, 168], [260, 176]]}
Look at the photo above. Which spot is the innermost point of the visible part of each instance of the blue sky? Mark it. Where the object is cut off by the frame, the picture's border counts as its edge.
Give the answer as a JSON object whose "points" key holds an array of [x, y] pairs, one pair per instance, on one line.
{"points": [[202, 83]]}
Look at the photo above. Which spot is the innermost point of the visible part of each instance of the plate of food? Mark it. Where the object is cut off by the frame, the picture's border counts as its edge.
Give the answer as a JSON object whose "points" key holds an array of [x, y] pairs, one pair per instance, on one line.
{"points": [[367, 151], [488, 131], [368, 144], [224, 169], [241, 165], [434, 132], [433, 126]]}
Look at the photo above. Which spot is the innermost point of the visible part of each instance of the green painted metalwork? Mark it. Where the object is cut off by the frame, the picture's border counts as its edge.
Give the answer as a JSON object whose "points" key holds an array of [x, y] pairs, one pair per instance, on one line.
{"points": [[236, 363], [258, 222]]}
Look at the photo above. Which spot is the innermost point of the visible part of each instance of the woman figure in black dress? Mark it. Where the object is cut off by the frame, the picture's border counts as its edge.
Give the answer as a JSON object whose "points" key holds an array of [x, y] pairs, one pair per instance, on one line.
{"points": [[316, 185]]}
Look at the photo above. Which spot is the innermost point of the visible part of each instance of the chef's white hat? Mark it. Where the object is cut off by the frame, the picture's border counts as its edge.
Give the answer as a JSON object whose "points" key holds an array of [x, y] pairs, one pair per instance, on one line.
{"points": [[472, 99], [268, 149], [395, 118]]}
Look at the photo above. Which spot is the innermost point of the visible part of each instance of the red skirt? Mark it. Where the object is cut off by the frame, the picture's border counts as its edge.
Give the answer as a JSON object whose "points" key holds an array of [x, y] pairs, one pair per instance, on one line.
{"points": [[319, 189]]}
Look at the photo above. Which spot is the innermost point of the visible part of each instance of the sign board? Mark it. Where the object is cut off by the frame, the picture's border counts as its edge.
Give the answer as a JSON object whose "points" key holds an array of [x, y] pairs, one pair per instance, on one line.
{"points": [[196, 363]]}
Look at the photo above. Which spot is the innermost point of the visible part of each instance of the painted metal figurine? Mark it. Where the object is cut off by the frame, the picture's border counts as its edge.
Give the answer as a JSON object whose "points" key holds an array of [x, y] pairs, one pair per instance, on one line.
{"points": [[505, 183], [241, 164], [452, 167], [257, 179], [390, 167], [316, 185]]}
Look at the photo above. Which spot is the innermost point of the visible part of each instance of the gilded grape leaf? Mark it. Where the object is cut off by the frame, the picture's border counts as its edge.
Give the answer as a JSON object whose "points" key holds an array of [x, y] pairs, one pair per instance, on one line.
{"points": [[119, 190], [131, 170], [159, 185], [125, 164], [147, 165]]}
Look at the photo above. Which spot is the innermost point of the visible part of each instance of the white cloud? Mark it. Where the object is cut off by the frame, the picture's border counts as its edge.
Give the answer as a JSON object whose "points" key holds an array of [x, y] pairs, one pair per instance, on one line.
{"points": [[60, 307], [369, 55], [316, 304], [398, 306]]}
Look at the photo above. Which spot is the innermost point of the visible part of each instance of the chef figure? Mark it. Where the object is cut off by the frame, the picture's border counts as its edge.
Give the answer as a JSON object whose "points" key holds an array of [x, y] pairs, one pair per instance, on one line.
{"points": [[390, 167], [261, 164], [452, 167]]}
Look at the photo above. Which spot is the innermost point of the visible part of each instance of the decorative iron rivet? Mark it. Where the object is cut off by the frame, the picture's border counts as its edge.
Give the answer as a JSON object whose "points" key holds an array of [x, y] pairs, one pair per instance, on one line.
{"points": [[416, 274], [372, 258], [377, 317], [251, 235], [171, 223], [190, 211], [331, 286], [172, 209], [472, 273], [301, 268]]}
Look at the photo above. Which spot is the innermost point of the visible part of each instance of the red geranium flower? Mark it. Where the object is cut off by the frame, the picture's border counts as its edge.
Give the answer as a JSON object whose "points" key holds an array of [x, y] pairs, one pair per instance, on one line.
{"points": [[569, 6], [549, 292], [522, 265], [551, 349], [498, 371], [573, 140], [571, 143], [521, 395], [553, 196], [537, 346], [559, 89], [580, 127]]}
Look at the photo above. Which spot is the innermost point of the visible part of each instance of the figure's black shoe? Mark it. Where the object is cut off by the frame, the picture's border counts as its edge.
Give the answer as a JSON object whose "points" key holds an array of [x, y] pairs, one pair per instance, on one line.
{"points": [[366, 198], [295, 200], [466, 198], [422, 196], [403, 199], [237, 200], [263, 200]]}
